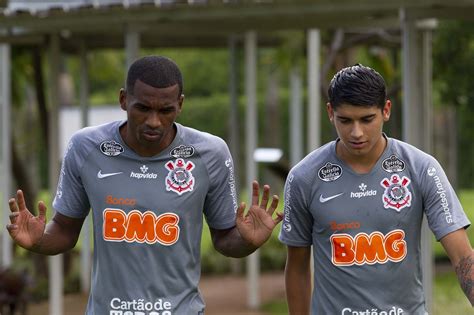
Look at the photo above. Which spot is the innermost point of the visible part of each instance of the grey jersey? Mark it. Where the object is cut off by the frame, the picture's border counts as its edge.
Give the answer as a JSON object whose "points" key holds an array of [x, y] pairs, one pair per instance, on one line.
{"points": [[147, 216], [365, 228]]}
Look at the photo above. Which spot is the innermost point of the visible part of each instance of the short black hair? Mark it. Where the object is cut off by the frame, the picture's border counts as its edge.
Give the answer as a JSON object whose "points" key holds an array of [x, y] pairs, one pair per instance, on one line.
{"points": [[156, 71], [357, 85]]}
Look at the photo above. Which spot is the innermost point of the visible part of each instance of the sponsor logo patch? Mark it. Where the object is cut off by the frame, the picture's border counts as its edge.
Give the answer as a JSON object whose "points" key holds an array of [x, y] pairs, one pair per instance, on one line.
{"points": [[443, 198], [287, 210], [233, 191], [111, 148], [179, 179], [344, 226], [330, 172], [393, 164], [111, 200], [394, 310], [363, 248], [363, 192], [140, 306], [182, 151], [396, 195], [144, 174], [138, 227]]}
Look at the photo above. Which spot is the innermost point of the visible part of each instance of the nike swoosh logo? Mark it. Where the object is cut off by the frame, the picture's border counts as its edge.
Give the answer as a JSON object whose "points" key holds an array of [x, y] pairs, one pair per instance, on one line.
{"points": [[100, 175], [326, 199]]}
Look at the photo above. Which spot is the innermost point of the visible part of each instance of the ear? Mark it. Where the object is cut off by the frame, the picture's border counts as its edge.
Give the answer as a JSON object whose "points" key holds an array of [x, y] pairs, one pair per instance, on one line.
{"points": [[123, 99], [330, 112], [386, 110], [180, 103]]}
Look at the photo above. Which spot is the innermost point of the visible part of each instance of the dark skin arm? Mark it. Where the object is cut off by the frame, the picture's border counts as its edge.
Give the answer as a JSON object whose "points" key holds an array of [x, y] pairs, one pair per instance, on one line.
{"points": [[460, 253], [32, 233], [252, 229]]}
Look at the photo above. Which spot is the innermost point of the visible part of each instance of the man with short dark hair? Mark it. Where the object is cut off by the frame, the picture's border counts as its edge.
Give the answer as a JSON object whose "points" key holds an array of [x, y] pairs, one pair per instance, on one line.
{"points": [[359, 202], [148, 181]]}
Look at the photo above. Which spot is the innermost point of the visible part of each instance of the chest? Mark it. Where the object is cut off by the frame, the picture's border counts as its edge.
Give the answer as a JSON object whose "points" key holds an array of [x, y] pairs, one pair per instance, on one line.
{"points": [[162, 185], [379, 201]]}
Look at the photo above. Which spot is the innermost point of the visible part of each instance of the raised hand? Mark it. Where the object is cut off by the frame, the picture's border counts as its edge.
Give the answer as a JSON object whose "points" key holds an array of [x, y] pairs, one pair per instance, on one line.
{"points": [[25, 229], [257, 224]]}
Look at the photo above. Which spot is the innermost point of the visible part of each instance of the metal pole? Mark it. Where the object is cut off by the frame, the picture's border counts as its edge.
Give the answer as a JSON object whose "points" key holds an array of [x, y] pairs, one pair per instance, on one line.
{"points": [[55, 262], [415, 127], [132, 45], [5, 100], [234, 110], [253, 263], [84, 103], [314, 94], [296, 114]]}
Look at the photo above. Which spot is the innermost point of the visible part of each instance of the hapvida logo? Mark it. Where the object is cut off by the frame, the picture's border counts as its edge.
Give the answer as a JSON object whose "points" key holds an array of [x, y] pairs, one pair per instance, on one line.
{"points": [[363, 192], [144, 174]]}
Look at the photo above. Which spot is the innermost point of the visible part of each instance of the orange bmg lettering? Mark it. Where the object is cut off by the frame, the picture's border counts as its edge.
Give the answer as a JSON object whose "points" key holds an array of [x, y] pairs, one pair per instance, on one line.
{"points": [[140, 227], [368, 249]]}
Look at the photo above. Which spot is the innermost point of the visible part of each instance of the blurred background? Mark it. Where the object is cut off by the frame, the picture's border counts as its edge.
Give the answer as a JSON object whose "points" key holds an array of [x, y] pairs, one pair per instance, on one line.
{"points": [[256, 74]]}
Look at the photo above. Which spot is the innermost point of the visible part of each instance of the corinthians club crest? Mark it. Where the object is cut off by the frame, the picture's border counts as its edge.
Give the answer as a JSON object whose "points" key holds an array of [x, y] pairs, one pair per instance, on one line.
{"points": [[396, 195], [179, 179]]}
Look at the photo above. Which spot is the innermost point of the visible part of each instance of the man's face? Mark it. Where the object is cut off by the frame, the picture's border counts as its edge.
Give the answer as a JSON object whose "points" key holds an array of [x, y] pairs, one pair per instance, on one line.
{"points": [[359, 129], [151, 113]]}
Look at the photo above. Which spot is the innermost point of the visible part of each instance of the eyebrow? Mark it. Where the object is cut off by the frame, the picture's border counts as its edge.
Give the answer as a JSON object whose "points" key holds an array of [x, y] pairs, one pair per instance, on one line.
{"points": [[363, 117]]}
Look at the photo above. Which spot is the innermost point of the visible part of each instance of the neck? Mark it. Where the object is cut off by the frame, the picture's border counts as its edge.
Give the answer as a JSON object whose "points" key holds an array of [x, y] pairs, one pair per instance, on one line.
{"points": [[362, 163]]}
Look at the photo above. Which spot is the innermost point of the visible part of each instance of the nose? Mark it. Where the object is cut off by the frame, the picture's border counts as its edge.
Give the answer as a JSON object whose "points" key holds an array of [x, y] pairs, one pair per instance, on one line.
{"points": [[356, 131], [153, 120]]}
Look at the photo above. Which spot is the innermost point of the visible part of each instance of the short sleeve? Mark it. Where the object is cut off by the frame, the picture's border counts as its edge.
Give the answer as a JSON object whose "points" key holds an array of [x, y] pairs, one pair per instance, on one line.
{"points": [[71, 198], [221, 201], [296, 228], [441, 204]]}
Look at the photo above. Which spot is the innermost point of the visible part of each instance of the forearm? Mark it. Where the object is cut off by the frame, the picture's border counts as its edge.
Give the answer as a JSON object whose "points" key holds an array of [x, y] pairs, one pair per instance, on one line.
{"points": [[56, 239], [465, 272], [230, 243], [298, 291]]}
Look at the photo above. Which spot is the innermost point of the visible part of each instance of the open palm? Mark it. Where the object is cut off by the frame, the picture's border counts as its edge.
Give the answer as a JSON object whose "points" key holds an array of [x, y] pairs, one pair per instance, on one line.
{"points": [[25, 228], [257, 224]]}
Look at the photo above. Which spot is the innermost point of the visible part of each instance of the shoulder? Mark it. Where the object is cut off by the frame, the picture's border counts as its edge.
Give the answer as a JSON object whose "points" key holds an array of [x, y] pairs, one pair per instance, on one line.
{"points": [[410, 153], [316, 158], [320, 163], [200, 140], [85, 139]]}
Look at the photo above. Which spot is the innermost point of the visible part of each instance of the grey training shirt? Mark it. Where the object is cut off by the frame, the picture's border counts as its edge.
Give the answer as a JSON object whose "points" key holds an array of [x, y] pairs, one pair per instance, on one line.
{"points": [[365, 228], [147, 216]]}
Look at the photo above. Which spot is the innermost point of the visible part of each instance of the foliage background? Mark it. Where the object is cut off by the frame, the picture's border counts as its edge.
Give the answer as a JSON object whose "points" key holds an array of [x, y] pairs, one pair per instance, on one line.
{"points": [[206, 78]]}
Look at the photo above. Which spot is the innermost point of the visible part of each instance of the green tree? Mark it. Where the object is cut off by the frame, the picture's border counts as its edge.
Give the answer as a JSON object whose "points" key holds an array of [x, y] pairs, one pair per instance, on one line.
{"points": [[453, 66]]}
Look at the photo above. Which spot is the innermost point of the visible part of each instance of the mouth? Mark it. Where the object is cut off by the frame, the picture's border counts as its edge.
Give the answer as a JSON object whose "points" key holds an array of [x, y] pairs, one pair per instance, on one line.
{"points": [[151, 135], [357, 144]]}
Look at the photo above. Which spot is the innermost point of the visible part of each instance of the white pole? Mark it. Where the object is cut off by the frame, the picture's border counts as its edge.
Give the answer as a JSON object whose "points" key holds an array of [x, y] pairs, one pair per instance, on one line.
{"points": [[55, 262], [86, 244], [296, 114], [5, 99], [314, 94], [253, 261], [132, 45], [416, 128]]}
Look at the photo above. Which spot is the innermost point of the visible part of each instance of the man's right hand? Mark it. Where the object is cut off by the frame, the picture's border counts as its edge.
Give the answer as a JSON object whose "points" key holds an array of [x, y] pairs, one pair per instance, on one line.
{"points": [[26, 229]]}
